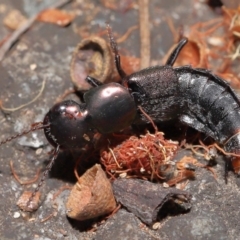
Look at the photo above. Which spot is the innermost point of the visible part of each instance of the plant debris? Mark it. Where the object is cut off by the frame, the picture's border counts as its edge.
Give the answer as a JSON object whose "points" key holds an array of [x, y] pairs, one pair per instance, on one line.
{"points": [[56, 16], [91, 196], [14, 19], [29, 206], [148, 201], [23, 28], [142, 157], [93, 57]]}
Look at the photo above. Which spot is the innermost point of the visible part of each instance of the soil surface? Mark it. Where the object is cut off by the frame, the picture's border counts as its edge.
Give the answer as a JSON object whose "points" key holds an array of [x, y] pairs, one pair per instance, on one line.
{"points": [[44, 53]]}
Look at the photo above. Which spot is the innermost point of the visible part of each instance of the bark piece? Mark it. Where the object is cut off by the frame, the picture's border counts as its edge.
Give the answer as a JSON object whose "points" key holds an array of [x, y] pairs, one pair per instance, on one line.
{"points": [[146, 200]]}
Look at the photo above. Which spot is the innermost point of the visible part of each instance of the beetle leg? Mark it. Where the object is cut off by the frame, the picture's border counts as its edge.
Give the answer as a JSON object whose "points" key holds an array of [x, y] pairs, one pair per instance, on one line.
{"points": [[93, 81], [137, 96], [118, 66], [174, 54], [197, 124], [226, 169]]}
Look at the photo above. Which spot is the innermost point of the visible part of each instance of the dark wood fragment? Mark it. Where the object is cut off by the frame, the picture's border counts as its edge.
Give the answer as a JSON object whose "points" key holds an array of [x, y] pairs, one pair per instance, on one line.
{"points": [[150, 202]]}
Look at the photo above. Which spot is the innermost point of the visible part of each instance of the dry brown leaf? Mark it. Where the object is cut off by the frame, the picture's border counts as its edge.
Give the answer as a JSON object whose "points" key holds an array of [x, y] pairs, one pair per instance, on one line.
{"points": [[55, 16], [91, 196]]}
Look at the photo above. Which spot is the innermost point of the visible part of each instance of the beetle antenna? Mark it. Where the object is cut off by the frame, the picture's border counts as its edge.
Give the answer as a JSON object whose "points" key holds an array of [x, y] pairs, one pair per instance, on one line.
{"points": [[29, 204], [34, 127], [114, 47]]}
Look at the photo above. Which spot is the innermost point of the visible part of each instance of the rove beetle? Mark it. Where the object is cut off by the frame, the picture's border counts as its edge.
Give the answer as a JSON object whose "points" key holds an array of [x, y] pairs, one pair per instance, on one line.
{"points": [[195, 97]]}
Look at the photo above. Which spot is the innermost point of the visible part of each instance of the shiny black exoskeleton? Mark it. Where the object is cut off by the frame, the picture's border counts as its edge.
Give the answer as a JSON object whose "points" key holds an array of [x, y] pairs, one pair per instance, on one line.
{"points": [[195, 97], [106, 109]]}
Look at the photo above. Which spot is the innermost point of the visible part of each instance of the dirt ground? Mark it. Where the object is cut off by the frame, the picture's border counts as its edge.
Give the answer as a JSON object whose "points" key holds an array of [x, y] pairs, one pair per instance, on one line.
{"points": [[44, 53]]}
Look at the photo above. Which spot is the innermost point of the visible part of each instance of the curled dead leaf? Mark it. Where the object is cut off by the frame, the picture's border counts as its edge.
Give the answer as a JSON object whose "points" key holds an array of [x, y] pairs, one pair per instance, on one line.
{"points": [[91, 196], [93, 57]]}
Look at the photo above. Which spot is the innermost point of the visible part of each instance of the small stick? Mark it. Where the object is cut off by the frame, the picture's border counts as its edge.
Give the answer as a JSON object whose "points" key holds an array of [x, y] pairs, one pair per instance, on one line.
{"points": [[25, 104], [114, 211], [60, 190], [48, 217], [126, 34], [149, 118], [15, 35], [24, 182], [224, 152], [144, 33]]}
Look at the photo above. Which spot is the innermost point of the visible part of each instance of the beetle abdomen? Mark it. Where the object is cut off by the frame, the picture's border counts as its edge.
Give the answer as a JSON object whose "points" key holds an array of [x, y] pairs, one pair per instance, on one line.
{"points": [[210, 104]]}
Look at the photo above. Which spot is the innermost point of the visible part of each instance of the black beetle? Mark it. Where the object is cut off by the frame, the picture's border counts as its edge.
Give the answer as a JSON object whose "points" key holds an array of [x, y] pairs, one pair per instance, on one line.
{"points": [[112, 107], [195, 97]]}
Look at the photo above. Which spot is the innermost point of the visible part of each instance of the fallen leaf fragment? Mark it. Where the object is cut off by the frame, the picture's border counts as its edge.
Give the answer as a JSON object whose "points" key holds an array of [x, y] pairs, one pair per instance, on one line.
{"points": [[55, 16], [24, 204], [91, 196]]}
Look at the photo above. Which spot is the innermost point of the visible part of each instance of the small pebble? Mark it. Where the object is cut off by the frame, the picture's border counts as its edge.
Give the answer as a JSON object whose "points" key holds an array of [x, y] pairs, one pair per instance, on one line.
{"points": [[39, 151], [156, 225], [33, 66], [165, 185], [16, 215], [123, 175]]}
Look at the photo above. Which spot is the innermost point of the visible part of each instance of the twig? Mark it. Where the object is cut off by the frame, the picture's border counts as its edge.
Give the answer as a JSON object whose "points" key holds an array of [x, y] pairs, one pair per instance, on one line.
{"points": [[148, 118], [224, 152], [48, 217], [126, 34], [55, 212], [4, 39], [25, 104], [60, 190], [33, 180], [18, 32], [114, 157], [15, 35], [144, 33]]}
